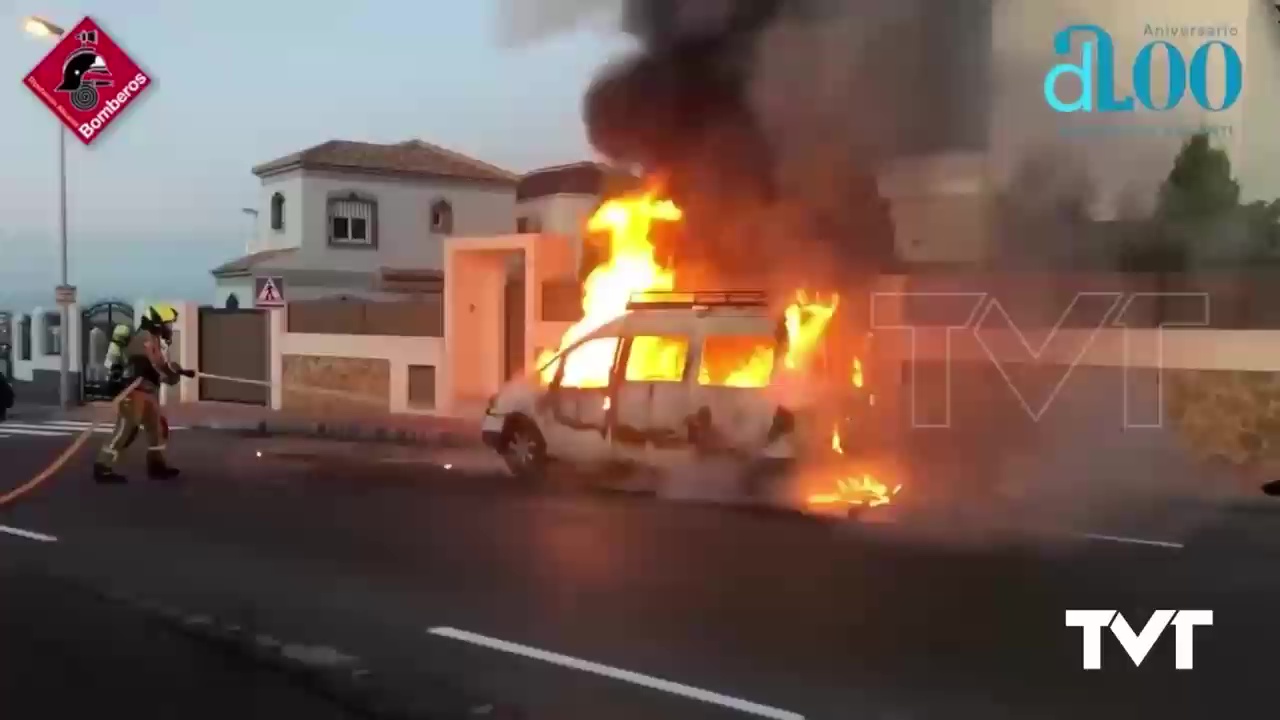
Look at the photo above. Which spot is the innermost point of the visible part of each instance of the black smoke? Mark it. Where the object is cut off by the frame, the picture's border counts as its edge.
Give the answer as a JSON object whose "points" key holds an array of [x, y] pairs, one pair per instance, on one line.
{"points": [[777, 178]]}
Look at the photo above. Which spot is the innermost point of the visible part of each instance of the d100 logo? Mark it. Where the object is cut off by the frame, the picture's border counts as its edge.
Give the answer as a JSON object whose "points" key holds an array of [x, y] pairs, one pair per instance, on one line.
{"points": [[1099, 57]]}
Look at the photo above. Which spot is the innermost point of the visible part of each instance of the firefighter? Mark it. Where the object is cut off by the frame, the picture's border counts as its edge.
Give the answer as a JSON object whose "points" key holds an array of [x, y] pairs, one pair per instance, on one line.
{"points": [[115, 360], [146, 360]]}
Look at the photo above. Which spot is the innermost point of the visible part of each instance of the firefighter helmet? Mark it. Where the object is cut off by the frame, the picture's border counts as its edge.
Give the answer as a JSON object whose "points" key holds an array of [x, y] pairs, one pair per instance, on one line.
{"points": [[162, 313], [81, 62], [121, 333]]}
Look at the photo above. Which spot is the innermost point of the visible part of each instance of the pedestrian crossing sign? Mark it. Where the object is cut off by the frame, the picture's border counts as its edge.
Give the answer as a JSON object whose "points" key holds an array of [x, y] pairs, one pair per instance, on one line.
{"points": [[270, 291]]}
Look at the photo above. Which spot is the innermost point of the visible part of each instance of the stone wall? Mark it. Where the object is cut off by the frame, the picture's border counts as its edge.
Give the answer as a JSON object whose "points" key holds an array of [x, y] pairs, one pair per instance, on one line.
{"points": [[366, 381], [1232, 415]]}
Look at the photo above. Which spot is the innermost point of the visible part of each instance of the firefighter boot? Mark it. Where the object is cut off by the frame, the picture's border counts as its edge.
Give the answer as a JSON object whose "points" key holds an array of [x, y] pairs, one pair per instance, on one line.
{"points": [[158, 468], [106, 475]]}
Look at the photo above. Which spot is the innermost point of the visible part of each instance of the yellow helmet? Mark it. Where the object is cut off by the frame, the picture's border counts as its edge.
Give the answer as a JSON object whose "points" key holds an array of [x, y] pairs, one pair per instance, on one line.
{"points": [[121, 333], [162, 313]]}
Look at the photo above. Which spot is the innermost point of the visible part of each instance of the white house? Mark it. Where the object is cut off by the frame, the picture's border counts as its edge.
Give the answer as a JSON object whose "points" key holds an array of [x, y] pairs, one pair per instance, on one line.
{"points": [[365, 220]]}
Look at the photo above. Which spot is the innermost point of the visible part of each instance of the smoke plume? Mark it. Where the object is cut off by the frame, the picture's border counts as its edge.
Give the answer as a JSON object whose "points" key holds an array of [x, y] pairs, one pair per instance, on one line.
{"points": [[773, 124], [773, 118]]}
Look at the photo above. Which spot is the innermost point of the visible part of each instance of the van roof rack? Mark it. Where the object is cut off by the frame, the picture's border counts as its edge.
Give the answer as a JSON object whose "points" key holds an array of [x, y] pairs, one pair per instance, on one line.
{"points": [[700, 298]]}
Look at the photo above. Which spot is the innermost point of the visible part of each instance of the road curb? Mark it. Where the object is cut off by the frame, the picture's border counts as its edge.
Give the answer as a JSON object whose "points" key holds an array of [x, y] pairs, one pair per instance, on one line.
{"points": [[325, 671], [453, 438]]}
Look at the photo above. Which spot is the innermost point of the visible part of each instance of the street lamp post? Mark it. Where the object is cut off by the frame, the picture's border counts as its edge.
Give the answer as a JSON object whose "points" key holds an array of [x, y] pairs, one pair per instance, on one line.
{"points": [[43, 28], [250, 246]]}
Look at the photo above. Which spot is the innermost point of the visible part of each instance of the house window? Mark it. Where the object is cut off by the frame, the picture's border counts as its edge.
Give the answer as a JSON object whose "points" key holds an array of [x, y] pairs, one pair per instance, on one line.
{"points": [[233, 302], [24, 337], [353, 222], [52, 333], [277, 212], [657, 359], [441, 217]]}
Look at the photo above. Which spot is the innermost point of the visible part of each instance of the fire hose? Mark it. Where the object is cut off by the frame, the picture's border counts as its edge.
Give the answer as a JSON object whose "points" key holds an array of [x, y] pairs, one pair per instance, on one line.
{"points": [[62, 459], [9, 497]]}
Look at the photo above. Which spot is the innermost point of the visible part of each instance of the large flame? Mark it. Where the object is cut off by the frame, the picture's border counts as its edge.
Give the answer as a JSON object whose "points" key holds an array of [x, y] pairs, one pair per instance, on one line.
{"points": [[632, 267]]}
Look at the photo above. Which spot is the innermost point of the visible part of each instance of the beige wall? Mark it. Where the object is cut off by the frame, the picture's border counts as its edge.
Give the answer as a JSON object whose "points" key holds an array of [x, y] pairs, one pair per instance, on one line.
{"points": [[565, 215], [394, 353]]}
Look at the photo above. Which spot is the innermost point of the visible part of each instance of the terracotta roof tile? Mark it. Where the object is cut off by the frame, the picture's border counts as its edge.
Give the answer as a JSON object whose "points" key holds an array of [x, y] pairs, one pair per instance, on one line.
{"points": [[411, 158], [244, 264]]}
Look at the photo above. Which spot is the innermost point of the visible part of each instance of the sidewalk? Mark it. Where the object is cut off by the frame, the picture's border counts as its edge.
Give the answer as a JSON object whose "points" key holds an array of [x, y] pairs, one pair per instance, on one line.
{"points": [[429, 430]]}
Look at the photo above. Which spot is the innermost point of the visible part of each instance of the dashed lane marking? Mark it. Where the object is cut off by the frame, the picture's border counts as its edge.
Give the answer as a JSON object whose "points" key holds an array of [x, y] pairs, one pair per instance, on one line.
{"points": [[1133, 541], [19, 532], [653, 683]]}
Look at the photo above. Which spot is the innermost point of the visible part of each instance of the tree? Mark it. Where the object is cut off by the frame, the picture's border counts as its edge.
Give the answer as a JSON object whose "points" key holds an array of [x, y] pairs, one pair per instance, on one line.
{"points": [[1198, 194], [1200, 186], [1262, 223]]}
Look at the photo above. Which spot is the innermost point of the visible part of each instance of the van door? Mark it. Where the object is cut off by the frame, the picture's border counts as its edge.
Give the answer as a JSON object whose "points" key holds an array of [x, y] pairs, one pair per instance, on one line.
{"points": [[651, 421], [574, 413], [732, 409]]}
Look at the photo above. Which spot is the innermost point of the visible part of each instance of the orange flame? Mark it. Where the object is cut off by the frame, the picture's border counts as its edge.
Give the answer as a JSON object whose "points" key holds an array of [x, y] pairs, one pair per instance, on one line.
{"points": [[855, 490], [631, 268]]}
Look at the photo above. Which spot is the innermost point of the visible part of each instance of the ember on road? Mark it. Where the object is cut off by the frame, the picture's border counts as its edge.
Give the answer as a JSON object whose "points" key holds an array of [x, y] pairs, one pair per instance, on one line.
{"points": [[585, 605]]}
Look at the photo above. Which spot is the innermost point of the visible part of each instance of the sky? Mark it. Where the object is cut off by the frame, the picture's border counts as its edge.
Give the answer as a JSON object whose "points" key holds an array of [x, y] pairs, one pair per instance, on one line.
{"points": [[155, 202]]}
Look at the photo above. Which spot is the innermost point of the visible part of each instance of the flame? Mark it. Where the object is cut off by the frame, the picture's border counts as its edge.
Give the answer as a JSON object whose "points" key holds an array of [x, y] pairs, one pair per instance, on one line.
{"points": [[855, 490], [631, 268], [745, 362], [806, 321]]}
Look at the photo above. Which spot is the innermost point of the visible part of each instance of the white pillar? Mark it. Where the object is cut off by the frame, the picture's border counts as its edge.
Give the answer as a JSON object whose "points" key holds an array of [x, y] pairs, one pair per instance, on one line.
{"points": [[279, 325], [444, 374], [189, 349]]}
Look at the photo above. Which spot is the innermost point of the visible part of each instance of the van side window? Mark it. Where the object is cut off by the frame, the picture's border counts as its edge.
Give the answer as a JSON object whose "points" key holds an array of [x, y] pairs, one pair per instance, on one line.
{"points": [[742, 361], [590, 365], [657, 359]]}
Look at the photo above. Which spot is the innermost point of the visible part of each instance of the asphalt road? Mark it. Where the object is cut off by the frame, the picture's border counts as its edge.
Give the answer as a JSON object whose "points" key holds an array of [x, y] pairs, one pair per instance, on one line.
{"points": [[67, 653], [576, 605]]}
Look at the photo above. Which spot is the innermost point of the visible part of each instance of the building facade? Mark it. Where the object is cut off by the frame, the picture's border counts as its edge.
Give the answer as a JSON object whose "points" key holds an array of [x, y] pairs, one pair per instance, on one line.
{"points": [[365, 220]]}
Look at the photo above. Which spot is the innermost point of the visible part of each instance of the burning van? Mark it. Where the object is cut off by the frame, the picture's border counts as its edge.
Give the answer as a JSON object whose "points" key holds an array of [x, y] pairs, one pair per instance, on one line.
{"points": [[659, 379]]}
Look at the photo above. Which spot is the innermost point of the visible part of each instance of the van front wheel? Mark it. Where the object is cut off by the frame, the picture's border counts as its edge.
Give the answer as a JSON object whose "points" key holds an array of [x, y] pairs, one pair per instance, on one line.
{"points": [[525, 450]]}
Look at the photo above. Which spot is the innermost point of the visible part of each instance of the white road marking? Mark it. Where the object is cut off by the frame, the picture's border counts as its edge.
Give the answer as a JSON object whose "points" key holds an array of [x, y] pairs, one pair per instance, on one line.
{"points": [[60, 428], [617, 674], [27, 534], [1133, 541], [41, 430]]}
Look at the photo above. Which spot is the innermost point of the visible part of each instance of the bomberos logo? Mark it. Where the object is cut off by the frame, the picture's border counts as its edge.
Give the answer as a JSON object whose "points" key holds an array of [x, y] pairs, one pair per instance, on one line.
{"points": [[87, 80]]}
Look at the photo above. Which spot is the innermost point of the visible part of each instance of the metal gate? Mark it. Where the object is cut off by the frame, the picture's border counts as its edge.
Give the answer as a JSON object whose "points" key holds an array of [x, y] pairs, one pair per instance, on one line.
{"points": [[235, 343], [96, 325]]}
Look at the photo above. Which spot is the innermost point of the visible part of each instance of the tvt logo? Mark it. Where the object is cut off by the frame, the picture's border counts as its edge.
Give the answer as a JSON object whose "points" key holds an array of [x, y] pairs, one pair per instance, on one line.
{"points": [[1097, 63], [1138, 644]]}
